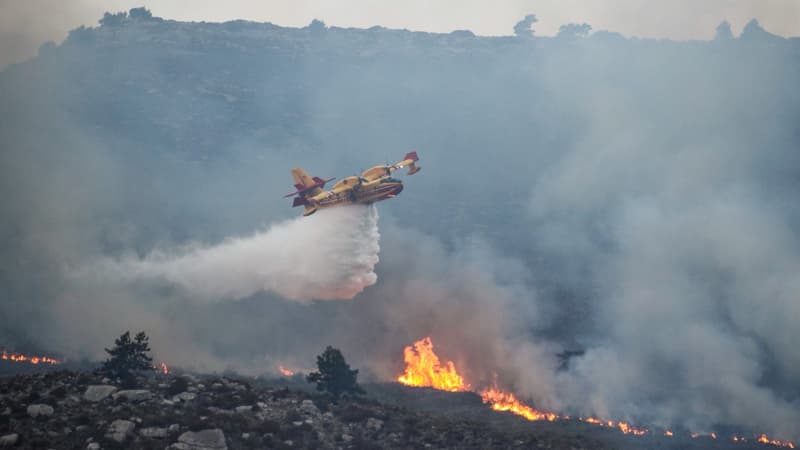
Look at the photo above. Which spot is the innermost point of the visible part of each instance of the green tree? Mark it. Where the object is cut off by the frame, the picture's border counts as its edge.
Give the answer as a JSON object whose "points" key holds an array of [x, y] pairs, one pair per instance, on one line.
{"points": [[128, 357], [524, 28], [113, 20], [335, 376], [140, 13]]}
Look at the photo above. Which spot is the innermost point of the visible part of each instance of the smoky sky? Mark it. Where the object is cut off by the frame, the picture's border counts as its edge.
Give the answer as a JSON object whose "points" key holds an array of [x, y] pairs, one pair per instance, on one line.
{"points": [[24, 26], [633, 200]]}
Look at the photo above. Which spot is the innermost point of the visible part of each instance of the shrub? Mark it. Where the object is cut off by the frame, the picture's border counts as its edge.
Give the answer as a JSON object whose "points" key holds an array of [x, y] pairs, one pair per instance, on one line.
{"points": [[334, 375], [128, 357], [178, 385]]}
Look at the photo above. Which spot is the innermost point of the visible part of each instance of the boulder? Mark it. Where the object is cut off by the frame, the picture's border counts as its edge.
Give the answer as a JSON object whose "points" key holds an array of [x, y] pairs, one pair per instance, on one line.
{"points": [[374, 424], [213, 439], [153, 432], [308, 407], [120, 429], [184, 397], [40, 410], [244, 409], [93, 446], [134, 395], [9, 440], [97, 392]]}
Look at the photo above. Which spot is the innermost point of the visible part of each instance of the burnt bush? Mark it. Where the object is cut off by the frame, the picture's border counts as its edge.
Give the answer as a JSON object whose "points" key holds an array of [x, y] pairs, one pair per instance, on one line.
{"points": [[323, 404], [411, 425], [269, 426], [354, 413], [178, 385], [280, 393], [229, 424], [248, 397], [59, 392], [361, 443], [295, 433], [293, 416]]}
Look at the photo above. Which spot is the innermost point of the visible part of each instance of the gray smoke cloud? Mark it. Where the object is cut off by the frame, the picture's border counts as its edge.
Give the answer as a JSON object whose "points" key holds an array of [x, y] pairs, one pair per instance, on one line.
{"points": [[327, 256], [690, 246], [632, 199]]}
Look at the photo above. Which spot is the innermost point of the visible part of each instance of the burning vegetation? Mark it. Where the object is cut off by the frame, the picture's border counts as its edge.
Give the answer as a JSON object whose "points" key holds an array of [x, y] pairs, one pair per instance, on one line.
{"points": [[19, 357], [424, 369]]}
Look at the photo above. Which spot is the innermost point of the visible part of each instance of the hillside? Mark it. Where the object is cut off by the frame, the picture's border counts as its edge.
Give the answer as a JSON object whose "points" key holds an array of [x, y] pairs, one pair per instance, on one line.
{"points": [[607, 226], [67, 410]]}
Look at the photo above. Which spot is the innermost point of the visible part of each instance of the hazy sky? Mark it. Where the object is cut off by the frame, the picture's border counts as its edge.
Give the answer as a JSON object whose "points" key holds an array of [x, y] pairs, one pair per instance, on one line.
{"points": [[26, 24]]}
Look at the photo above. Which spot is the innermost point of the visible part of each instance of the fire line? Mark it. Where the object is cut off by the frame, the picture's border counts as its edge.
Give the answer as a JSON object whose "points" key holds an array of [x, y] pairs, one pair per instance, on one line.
{"points": [[19, 357], [425, 369]]}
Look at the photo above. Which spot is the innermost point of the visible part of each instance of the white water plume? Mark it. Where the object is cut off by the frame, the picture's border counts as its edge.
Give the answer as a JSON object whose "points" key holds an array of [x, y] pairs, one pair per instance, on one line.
{"points": [[327, 256]]}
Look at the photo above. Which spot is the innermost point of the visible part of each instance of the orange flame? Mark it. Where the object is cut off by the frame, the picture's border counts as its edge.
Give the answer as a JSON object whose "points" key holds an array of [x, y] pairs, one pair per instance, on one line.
{"points": [[594, 421], [624, 427], [630, 429], [162, 367], [765, 440], [285, 372], [423, 369], [19, 357], [506, 401]]}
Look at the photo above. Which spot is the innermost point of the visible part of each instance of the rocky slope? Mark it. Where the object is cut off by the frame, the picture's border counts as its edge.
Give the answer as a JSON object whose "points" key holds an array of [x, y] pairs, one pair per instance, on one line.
{"points": [[82, 410]]}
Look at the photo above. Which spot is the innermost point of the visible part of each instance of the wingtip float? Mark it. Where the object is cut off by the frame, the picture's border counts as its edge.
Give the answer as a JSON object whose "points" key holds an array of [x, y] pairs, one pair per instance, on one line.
{"points": [[373, 185]]}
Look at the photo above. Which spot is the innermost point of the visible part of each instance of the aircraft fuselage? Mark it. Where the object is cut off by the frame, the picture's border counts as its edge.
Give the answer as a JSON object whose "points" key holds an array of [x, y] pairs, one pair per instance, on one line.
{"points": [[361, 192], [373, 185]]}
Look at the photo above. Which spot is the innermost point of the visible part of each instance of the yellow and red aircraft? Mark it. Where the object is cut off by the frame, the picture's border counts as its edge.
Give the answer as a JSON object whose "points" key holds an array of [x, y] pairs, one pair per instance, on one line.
{"points": [[373, 185]]}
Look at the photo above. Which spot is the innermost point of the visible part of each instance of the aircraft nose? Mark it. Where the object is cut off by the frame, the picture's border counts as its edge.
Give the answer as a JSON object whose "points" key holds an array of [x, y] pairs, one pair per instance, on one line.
{"points": [[398, 189]]}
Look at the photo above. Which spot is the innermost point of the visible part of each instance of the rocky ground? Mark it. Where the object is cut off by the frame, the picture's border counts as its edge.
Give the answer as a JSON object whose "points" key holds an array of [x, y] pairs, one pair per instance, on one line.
{"points": [[76, 410]]}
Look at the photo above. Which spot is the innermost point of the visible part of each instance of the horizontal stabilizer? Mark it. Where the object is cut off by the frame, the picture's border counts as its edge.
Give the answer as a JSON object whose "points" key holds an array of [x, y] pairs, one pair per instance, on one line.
{"points": [[315, 186], [412, 156]]}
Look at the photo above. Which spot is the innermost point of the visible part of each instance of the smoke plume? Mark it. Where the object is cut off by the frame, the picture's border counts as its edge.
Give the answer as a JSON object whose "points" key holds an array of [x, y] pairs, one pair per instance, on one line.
{"points": [[630, 204], [327, 256]]}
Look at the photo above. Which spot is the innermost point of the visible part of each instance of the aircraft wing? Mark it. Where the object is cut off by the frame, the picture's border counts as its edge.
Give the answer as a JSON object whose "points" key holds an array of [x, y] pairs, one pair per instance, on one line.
{"points": [[408, 161]]}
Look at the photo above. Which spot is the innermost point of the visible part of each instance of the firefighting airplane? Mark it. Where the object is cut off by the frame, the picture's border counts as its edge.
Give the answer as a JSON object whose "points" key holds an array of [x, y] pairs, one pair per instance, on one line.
{"points": [[373, 185]]}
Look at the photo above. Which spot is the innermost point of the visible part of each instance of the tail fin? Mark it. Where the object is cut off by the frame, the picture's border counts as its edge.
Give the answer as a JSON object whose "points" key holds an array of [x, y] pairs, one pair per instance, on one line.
{"points": [[308, 186], [412, 168]]}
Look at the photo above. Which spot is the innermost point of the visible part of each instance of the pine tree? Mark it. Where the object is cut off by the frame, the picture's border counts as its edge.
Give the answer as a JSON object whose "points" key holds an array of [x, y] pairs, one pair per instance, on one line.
{"points": [[334, 375], [128, 357]]}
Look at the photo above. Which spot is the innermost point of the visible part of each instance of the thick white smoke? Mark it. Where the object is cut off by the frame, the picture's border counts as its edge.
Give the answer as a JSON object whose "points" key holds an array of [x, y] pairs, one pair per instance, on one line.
{"points": [[327, 256]]}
